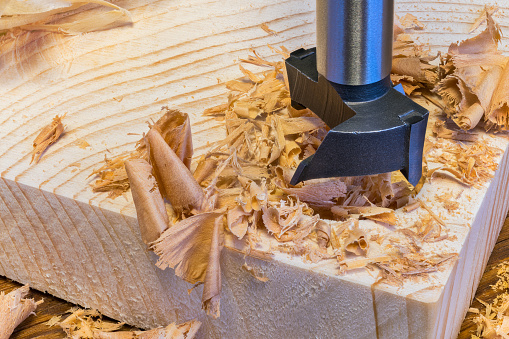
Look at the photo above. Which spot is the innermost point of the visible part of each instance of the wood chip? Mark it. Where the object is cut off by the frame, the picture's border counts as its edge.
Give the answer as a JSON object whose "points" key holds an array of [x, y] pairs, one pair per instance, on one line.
{"points": [[48, 136]]}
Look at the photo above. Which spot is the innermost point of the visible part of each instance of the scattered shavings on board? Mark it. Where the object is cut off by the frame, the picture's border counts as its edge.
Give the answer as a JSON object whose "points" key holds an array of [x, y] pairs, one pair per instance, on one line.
{"points": [[14, 309], [37, 14], [88, 324], [48, 136], [241, 188]]}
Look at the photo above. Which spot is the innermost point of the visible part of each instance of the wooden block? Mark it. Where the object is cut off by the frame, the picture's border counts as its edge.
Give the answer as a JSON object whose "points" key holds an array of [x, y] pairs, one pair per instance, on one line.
{"points": [[58, 236]]}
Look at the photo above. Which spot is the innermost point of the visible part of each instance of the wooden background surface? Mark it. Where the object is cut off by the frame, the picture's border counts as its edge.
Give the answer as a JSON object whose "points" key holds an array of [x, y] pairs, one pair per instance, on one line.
{"points": [[35, 327]]}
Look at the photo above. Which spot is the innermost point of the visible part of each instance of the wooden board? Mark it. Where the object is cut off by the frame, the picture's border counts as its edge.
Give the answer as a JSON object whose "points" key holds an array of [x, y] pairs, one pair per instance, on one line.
{"points": [[35, 325], [60, 237]]}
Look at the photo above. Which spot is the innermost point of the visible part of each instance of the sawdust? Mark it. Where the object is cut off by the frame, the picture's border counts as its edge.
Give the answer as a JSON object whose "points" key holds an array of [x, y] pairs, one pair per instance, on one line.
{"points": [[266, 28], [255, 273]]}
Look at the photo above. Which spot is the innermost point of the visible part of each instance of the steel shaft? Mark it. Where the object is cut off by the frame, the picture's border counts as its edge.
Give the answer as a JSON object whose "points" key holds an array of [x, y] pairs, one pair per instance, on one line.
{"points": [[354, 40]]}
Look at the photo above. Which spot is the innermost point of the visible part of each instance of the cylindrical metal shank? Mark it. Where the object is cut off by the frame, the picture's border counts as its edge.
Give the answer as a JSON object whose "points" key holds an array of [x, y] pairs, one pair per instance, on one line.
{"points": [[354, 40]]}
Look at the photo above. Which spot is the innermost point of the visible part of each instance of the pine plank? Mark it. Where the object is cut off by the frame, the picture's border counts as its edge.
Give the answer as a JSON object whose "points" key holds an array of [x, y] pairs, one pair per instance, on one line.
{"points": [[35, 326]]}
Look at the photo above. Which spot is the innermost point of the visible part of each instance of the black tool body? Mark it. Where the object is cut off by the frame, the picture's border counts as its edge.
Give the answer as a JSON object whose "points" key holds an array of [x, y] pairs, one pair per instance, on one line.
{"points": [[374, 128]]}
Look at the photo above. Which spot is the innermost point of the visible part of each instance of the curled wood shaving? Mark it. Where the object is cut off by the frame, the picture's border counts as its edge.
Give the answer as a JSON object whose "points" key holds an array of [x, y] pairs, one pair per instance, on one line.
{"points": [[356, 263], [150, 209], [288, 222], [14, 309], [48, 135], [173, 126], [412, 206], [301, 125], [174, 179], [476, 79], [323, 233], [411, 63], [498, 115], [356, 242], [238, 221], [192, 247], [375, 213], [485, 42], [239, 86], [317, 192], [36, 15]]}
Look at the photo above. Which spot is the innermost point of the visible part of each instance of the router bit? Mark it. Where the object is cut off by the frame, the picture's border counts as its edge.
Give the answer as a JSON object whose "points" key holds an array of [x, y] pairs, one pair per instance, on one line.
{"points": [[346, 81]]}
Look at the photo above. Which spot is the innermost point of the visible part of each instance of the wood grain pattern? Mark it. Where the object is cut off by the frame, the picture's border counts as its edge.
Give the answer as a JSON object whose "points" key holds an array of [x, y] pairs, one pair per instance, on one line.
{"points": [[62, 238], [34, 326]]}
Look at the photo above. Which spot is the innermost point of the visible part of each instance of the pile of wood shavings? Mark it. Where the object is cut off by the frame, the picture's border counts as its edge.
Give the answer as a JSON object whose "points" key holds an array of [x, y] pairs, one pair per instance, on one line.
{"points": [[241, 188], [45, 15], [474, 87], [493, 322], [88, 324]]}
